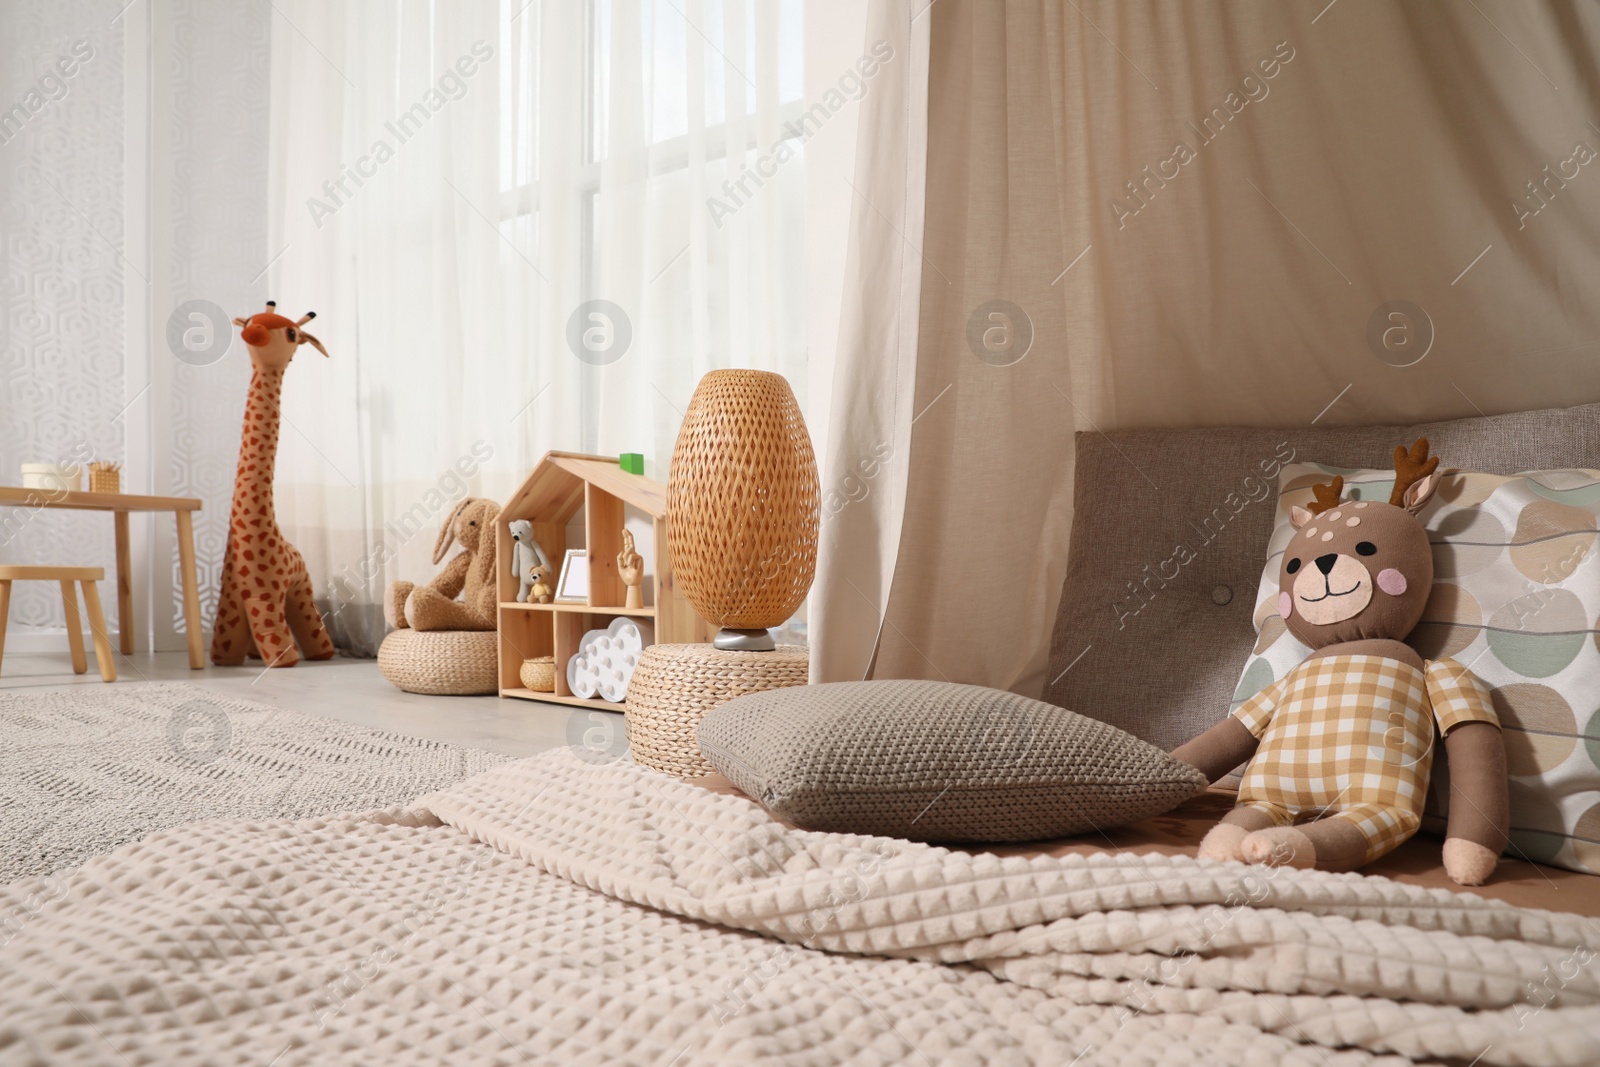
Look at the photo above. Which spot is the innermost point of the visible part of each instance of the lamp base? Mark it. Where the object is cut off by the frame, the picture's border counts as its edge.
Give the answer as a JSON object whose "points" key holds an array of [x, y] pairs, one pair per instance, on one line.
{"points": [[744, 641]]}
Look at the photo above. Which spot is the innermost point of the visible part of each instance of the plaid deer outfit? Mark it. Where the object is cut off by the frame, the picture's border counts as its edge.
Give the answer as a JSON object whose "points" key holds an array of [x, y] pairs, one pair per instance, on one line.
{"points": [[1350, 737]]}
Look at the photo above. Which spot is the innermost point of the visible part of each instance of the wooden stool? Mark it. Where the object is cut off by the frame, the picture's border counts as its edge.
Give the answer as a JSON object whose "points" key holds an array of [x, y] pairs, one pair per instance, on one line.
{"points": [[69, 600]]}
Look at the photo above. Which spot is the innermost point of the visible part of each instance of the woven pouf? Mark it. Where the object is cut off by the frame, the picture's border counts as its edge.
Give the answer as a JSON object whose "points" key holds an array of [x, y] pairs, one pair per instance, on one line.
{"points": [[441, 662], [675, 686]]}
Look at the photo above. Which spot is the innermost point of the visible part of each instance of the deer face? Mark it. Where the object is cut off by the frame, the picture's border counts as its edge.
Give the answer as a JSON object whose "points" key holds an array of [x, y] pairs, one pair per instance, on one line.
{"points": [[273, 339], [1358, 570]]}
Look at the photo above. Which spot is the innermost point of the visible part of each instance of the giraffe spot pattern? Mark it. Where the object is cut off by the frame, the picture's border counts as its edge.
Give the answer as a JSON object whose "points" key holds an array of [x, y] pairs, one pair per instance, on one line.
{"points": [[265, 562]]}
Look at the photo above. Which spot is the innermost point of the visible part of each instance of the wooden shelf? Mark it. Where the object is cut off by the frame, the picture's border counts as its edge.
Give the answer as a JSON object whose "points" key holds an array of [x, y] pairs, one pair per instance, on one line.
{"points": [[582, 609], [639, 613], [551, 698], [560, 486]]}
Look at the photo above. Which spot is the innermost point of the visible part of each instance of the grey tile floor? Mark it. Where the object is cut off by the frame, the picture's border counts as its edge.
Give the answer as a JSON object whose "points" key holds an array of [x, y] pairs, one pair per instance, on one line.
{"points": [[350, 690]]}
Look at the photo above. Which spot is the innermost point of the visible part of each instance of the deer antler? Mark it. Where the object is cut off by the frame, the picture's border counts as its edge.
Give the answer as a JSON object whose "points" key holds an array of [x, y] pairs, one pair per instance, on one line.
{"points": [[1327, 495], [1410, 468]]}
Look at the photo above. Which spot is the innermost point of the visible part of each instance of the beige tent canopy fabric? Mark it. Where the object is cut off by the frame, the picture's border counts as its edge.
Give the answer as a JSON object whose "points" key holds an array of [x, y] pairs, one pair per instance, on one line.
{"points": [[1149, 214]]}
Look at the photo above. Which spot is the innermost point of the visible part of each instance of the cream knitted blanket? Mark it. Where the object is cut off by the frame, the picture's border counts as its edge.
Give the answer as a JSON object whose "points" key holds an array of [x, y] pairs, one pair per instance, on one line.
{"points": [[563, 912]]}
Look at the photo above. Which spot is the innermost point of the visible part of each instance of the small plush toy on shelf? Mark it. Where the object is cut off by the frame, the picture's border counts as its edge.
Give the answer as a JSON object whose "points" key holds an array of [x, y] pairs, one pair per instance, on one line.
{"points": [[1341, 747], [526, 558], [539, 591]]}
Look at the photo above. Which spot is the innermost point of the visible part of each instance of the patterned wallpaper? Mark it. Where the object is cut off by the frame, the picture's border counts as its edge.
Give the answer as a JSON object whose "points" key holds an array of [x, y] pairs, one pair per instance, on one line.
{"points": [[62, 275], [63, 278]]}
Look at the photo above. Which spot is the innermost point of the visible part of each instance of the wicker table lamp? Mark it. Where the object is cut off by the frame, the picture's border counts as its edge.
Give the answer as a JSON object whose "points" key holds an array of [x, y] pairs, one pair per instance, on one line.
{"points": [[742, 506], [742, 511]]}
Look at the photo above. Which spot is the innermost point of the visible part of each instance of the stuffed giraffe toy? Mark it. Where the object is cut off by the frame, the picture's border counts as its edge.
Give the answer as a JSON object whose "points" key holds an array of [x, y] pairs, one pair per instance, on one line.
{"points": [[1340, 749], [265, 605]]}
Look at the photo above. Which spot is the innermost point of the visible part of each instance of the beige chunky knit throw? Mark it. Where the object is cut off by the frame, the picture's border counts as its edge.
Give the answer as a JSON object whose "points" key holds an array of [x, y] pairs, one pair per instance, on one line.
{"points": [[557, 911]]}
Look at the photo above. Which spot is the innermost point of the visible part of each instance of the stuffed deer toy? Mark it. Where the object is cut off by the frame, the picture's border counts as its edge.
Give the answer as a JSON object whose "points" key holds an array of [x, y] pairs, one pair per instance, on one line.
{"points": [[470, 575], [1340, 748]]}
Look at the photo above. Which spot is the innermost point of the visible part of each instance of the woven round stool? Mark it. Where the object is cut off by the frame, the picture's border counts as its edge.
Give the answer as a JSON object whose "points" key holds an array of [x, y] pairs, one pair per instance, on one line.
{"points": [[441, 662], [675, 686]]}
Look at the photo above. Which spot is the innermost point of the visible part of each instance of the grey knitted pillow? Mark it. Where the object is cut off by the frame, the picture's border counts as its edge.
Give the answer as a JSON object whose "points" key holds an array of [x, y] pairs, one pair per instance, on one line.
{"points": [[934, 761]]}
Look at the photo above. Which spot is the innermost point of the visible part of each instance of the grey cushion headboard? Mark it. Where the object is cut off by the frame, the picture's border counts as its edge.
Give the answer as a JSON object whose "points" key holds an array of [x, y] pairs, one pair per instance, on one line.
{"points": [[1168, 539]]}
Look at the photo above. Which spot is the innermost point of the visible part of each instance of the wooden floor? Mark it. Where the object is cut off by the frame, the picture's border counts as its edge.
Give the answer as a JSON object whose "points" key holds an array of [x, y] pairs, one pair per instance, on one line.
{"points": [[350, 690]]}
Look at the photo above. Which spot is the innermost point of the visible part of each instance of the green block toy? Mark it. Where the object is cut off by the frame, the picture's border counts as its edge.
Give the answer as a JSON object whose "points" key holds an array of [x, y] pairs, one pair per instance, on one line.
{"points": [[632, 462]]}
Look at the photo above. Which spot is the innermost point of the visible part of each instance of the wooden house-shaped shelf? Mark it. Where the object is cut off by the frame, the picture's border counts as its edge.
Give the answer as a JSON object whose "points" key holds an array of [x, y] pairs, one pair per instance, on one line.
{"points": [[560, 487]]}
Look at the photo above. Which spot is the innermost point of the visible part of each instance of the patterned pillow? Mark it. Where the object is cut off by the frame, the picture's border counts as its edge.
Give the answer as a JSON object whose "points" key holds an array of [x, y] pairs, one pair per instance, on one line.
{"points": [[934, 761], [1515, 599]]}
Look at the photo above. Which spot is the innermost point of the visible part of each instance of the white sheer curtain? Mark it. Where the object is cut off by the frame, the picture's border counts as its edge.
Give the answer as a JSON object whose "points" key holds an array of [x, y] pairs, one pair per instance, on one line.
{"points": [[454, 186]]}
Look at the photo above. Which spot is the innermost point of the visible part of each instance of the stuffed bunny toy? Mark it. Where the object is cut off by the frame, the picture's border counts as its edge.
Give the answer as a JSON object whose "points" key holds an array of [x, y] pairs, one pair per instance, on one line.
{"points": [[1340, 748], [434, 606]]}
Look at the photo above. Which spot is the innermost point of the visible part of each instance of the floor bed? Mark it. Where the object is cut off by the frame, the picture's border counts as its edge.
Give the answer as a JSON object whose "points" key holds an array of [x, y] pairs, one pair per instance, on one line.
{"points": [[1178, 833], [561, 911]]}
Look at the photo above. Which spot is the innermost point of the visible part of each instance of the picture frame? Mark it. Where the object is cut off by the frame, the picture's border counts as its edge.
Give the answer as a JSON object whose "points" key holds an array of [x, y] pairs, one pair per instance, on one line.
{"points": [[573, 586]]}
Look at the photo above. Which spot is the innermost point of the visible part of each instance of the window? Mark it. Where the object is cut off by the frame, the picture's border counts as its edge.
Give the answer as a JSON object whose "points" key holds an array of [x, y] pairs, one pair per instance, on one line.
{"points": [[655, 140]]}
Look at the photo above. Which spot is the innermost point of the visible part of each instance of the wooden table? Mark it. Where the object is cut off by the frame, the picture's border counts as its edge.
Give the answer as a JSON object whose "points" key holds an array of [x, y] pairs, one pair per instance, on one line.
{"points": [[120, 504]]}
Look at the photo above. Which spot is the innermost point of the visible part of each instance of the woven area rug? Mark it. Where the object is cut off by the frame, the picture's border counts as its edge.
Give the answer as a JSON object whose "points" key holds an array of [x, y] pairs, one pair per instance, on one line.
{"points": [[84, 771]]}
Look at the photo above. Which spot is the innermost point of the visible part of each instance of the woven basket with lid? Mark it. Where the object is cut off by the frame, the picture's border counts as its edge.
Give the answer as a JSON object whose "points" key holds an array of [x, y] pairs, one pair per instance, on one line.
{"points": [[675, 686], [539, 674]]}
